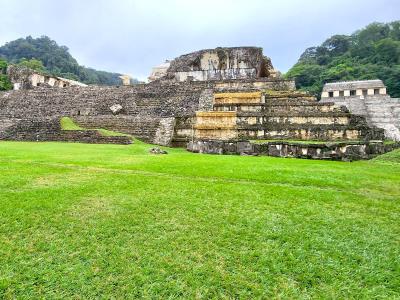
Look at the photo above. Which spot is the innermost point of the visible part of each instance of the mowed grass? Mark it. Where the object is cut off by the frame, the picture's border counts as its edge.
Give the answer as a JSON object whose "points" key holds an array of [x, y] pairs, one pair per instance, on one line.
{"points": [[109, 221]]}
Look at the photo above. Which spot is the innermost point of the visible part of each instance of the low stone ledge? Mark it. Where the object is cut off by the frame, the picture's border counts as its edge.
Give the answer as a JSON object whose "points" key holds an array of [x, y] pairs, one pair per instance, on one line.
{"points": [[77, 136], [50, 130], [345, 151]]}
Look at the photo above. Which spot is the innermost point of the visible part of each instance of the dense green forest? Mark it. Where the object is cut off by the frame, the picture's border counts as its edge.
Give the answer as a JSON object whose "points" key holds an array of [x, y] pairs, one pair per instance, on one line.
{"points": [[56, 60], [370, 53]]}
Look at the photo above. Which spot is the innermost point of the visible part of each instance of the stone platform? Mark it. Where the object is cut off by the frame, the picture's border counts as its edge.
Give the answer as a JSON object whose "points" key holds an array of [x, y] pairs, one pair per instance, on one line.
{"points": [[345, 151]]}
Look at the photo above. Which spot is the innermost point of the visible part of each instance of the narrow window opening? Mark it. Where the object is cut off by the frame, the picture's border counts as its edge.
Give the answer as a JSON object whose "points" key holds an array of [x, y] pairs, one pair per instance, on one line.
{"points": [[352, 92], [331, 94]]}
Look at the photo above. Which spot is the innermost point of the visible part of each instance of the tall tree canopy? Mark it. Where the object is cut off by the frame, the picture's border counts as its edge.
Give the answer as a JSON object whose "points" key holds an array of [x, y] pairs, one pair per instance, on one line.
{"points": [[56, 60], [370, 53]]}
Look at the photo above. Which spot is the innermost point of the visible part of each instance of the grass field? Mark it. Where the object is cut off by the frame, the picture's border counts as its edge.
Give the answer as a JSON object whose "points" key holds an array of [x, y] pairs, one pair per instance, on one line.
{"points": [[109, 221]]}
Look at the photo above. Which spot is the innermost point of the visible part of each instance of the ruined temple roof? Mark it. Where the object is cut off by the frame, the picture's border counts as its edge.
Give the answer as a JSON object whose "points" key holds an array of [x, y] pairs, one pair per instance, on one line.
{"points": [[353, 85], [191, 61], [164, 65]]}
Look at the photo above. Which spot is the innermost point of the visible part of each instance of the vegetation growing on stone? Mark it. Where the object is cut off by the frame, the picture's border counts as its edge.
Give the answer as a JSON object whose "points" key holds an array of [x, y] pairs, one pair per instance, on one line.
{"points": [[33, 64], [68, 124], [370, 53], [5, 83]]}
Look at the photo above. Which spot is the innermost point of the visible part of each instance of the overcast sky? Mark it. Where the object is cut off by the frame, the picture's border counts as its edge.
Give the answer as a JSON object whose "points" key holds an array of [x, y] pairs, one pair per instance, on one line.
{"points": [[131, 36]]}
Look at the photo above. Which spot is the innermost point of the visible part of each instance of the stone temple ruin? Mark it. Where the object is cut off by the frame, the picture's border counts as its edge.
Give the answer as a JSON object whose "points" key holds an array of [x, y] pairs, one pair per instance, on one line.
{"points": [[367, 98], [224, 100], [25, 78]]}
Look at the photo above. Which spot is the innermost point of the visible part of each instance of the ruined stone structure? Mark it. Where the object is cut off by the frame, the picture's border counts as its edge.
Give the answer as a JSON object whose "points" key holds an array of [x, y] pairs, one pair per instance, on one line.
{"points": [[125, 79], [359, 88], [367, 98], [217, 64], [241, 101], [159, 71], [25, 78]]}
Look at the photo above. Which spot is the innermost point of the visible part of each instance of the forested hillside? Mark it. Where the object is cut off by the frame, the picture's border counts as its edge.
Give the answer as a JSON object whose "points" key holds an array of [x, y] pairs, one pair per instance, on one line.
{"points": [[370, 53], [56, 60]]}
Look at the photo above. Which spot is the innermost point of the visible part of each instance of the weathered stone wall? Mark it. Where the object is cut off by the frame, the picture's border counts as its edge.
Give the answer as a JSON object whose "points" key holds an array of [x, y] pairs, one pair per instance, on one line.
{"points": [[220, 64], [279, 115], [50, 130], [381, 111], [163, 112], [161, 100], [143, 107], [25, 78], [165, 132], [255, 84], [330, 151]]}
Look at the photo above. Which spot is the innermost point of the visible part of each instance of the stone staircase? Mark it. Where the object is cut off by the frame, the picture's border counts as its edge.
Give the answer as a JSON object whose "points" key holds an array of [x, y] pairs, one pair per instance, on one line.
{"points": [[279, 115], [384, 112]]}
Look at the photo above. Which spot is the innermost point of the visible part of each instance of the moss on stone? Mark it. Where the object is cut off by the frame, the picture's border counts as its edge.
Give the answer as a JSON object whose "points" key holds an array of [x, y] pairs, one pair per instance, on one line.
{"points": [[69, 124]]}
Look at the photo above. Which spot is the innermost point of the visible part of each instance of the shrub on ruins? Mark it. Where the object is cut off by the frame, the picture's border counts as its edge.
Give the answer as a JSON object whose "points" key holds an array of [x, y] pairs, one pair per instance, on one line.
{"points": [[33, 64], [370, 53], [3, 66], [5, 83]]}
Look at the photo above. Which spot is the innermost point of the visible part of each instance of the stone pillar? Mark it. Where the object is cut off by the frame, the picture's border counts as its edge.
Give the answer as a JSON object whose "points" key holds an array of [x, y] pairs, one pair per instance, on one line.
{"points": [[370, 92], [347, 93], [382, 91], [125, 79], [335, 93], [359, 92]]}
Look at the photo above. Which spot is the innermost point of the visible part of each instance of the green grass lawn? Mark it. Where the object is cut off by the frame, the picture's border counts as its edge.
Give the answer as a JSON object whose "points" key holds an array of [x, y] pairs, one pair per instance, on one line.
{"points": [[111, 221]]}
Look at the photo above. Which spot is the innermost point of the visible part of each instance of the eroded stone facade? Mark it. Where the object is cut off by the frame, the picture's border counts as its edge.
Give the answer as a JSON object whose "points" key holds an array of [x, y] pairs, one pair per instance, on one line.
{"points": [[217, 64]]}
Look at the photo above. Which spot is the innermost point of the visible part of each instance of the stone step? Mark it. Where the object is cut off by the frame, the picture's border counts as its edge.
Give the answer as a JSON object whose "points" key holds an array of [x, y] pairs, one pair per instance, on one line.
{"points": [[381, 115], [378, 111], [382, 120]]}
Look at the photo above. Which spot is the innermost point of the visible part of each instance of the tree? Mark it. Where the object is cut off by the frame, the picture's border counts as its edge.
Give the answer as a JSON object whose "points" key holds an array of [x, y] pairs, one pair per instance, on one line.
{"points": [[33, 64], [5, 83], [337, 44], [387, 51], [56, 60], [3, 66], [370, 53]]}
